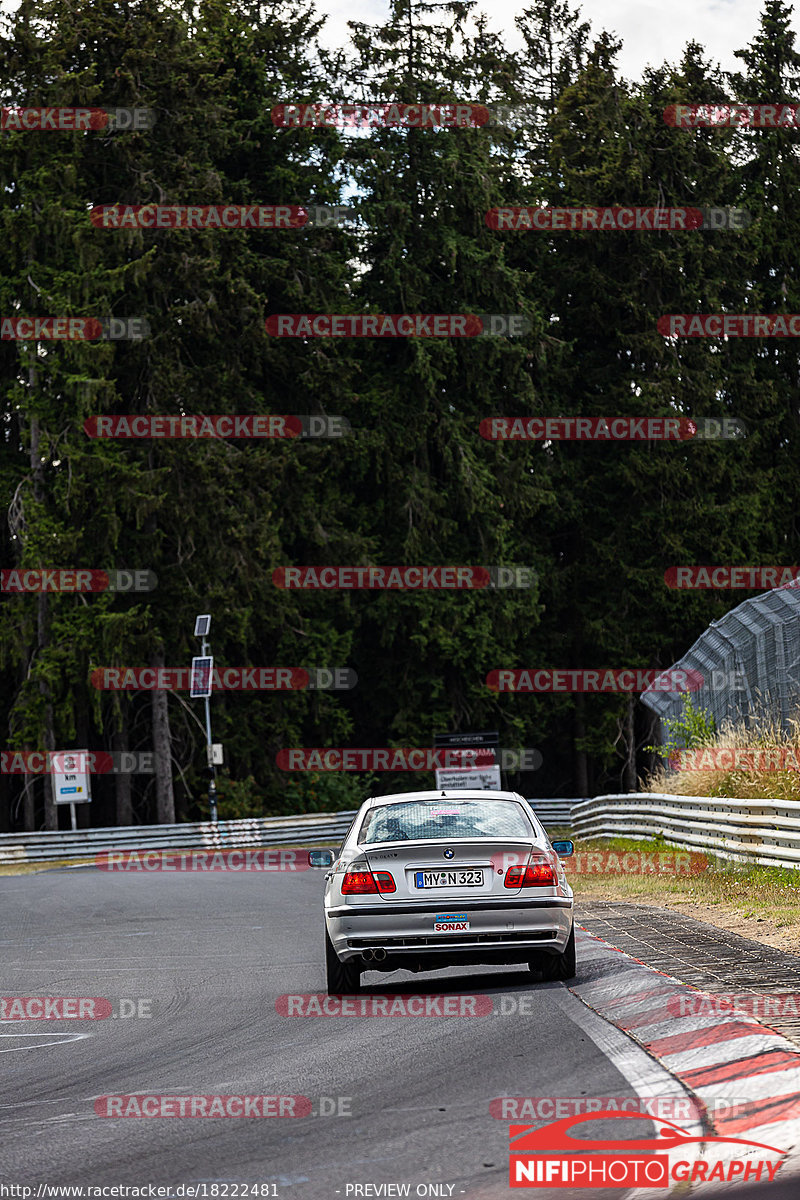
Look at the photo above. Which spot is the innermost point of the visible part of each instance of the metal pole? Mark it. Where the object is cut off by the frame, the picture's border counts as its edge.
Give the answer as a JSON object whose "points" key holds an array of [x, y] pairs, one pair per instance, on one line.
{"points": [[212, 780], [73, 816]]}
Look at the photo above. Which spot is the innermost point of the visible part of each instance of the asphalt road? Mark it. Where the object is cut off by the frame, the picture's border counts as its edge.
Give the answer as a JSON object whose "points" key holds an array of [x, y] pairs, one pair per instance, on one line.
{"points": [[408, 1096]]}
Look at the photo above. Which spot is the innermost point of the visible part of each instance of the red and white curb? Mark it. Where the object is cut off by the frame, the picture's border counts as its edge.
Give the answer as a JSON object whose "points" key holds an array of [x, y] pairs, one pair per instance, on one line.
{"points": [[714, 1057]]}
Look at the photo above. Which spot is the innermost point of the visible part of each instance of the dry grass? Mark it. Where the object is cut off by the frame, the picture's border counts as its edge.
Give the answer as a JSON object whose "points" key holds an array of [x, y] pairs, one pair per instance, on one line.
{"points": [[740, 783]]}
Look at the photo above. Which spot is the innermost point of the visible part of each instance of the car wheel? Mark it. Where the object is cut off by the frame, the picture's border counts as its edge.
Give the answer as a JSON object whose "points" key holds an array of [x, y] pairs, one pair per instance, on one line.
{"points": [[343, 979], [557, 966]]}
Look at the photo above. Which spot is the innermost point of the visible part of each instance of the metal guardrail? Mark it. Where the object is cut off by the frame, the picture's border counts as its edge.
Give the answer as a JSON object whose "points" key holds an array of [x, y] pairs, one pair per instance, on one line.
{"points": [[766, 832], [553, 812], [760, 831], [54, 846]]}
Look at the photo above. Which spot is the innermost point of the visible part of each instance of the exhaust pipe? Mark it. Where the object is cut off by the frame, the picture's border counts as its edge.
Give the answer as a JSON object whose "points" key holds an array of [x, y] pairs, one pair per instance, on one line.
{"points": [[379, 955], [367, 955]]}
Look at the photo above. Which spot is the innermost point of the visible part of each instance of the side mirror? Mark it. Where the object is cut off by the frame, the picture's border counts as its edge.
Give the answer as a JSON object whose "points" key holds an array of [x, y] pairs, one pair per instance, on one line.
{"points": [[564, 849], [321, 858]]}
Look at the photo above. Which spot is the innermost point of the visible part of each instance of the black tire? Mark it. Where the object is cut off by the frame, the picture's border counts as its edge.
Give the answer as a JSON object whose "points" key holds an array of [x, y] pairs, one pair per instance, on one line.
{"points": [[343, 979], [558, 966]]}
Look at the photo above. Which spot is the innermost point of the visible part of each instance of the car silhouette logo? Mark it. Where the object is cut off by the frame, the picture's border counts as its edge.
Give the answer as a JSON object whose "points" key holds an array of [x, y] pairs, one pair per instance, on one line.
{"points": [[555, 1136], [449, 853]]}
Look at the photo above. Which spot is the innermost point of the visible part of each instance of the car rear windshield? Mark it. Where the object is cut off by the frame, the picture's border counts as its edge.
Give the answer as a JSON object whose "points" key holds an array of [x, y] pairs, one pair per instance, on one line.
{"points": [[444, 819]]}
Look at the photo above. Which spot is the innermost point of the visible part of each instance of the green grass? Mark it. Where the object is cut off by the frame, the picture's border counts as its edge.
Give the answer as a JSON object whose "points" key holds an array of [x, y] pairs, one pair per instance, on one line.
{"points": [[770, 893]]}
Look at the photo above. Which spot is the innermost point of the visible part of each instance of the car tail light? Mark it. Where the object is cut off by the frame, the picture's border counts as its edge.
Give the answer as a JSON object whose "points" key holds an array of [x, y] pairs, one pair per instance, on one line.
{"points": [[535, 874], [361, 883], [357, 883]]}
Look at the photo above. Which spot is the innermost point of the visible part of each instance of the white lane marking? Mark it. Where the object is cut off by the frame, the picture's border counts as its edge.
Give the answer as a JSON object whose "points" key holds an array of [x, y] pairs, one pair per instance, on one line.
{"points": [[63, 1039]]}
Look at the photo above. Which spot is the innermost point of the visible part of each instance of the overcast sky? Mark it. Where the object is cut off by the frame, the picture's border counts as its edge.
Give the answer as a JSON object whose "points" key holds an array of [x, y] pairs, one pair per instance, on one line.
{"points": [[651, 31]]}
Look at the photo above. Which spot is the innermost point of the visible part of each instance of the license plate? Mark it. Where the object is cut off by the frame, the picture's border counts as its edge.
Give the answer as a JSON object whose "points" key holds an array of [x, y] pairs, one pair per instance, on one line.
{"points": [[437, 879]]}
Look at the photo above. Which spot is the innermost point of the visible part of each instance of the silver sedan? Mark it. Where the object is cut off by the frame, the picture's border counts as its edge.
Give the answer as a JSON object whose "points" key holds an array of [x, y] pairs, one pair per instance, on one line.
{"points": [[426, 880]]}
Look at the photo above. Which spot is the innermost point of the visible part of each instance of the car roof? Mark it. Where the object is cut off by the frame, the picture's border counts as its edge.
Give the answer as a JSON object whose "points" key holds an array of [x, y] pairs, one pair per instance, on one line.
{"points": [[443, 794]]}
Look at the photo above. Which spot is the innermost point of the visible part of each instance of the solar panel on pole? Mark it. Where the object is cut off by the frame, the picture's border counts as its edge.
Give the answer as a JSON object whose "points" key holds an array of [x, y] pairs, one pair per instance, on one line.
{"points": [[202, 672]]}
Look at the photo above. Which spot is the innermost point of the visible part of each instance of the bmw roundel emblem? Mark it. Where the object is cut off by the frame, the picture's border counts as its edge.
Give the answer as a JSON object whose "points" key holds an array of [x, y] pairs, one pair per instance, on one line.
{"points": [[449, 853]]}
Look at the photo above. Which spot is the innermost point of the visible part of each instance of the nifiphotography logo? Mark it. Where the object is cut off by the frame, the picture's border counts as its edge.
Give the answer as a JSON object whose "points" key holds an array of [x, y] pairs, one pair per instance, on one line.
{"points": [[551, 1157]]}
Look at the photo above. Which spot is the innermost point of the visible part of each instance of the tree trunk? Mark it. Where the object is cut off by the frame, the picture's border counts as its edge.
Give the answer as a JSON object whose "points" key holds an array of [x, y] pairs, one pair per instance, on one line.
{"points": [[162, 747], [629, 776], [581, 767], [119, 745], [5, 803], [48, 732]]}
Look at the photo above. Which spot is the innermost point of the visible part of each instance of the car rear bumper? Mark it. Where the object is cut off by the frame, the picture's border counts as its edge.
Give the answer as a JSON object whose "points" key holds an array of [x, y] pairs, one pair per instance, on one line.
{"points": [[499, 932]]}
